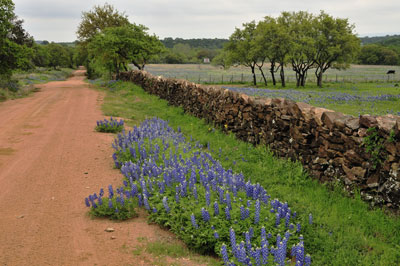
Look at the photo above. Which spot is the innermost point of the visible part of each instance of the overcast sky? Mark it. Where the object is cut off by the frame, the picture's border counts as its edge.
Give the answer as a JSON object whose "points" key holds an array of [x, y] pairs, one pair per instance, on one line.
{"points": [[57, 20]]}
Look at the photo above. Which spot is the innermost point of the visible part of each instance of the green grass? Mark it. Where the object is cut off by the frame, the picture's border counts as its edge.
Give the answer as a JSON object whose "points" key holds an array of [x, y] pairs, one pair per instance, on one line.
{"points": [[345, 230], [22, 84], [336, 96]]}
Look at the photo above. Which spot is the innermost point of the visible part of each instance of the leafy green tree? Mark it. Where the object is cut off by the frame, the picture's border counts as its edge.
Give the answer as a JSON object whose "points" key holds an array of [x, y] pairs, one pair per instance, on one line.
{"points": [[221, 59], [116, 47], [58, 55], [303, 42], [98, 19], [41, 56], [15, 43], [336, 44], [94, 22], [374, 54], [242, 49], [150, 46], [274, 41]]}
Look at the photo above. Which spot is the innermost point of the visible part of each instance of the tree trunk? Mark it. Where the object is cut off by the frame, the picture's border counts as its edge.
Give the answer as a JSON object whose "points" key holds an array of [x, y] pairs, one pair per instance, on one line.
{"points": [[254, 75], [303, 79], [319, 79], [282, 73], [298, 79], [262, 74], [272, 71]]}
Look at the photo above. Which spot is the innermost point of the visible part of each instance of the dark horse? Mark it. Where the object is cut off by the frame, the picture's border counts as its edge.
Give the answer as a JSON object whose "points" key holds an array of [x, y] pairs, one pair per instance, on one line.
{"points": [[391, 72]]}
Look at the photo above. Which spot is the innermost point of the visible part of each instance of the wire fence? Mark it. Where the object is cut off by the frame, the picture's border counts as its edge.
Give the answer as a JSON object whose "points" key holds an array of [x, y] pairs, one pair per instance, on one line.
{"points": [[248, 78]]}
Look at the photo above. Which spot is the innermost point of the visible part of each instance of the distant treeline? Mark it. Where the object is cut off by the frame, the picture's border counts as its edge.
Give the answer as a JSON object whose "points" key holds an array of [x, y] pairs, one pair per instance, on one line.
{"points": [[380, 50], [205, 43]]}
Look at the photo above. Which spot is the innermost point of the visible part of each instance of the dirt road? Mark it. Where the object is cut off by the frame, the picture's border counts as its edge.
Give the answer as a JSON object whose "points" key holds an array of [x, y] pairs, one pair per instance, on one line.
{"points": [[50, 160]]}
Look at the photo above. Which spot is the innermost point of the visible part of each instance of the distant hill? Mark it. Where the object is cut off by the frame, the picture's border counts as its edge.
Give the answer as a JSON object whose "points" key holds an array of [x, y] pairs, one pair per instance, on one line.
{"points": [[196, 43], [388, 40], [69, 44]]}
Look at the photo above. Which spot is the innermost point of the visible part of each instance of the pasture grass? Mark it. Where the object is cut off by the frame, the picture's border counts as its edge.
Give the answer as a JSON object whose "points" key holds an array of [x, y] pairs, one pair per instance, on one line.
{"points": [[22, 84], [346, 231], [348, 98], [205, 73]]}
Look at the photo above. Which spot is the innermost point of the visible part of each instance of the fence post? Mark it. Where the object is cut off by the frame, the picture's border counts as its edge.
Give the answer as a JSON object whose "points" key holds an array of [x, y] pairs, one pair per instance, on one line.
{"points": [[241, 80], [222, 80]]}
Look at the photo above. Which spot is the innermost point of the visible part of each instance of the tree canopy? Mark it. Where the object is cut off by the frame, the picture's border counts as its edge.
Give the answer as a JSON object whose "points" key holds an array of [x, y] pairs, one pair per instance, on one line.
{"points": [[300, 38], [15, 43], [98, 19]]}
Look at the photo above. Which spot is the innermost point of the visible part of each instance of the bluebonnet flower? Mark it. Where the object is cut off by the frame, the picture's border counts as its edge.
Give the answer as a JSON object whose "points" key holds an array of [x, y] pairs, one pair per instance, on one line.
{"points": [[232, 238], [298, 228], [216, 208], [264, 254], [154, 209], [277, 220], [216, 235], [87, 202], [228, 200], [263, 233], [146, 203], [110, 191], [208, 199], [110, 204], [224, 254], [257, 256], [287, 220], [307, 260], [227, 213], [242, 213], [100, 201], [177, 198], [101, 194], [248, 241], [193, 220], [205, 214], [165, 203], [310, 219]]}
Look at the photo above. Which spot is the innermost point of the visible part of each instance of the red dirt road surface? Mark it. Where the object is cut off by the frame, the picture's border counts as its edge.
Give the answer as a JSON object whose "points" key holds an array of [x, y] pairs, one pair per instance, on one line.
{"points": [[50, 160]]}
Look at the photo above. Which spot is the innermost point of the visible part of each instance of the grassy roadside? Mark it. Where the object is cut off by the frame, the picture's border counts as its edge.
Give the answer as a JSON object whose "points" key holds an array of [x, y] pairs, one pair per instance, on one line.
{"points": [[22, 84], [344, 232]]}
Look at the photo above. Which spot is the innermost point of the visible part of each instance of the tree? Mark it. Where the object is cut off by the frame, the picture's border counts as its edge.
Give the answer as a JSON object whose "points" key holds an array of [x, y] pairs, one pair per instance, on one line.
{"points": [[94, 22], [58, 55], [274, 41], [115, 47], [150, 47], [303, 37], [374, 54], [221, 59], [336, 44], [14, 50], [100, 18], [242, 49], [41, 56]]}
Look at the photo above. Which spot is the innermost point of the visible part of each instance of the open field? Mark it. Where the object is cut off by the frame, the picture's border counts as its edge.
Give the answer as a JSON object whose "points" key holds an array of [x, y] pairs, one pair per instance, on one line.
{"points": [[345, 230], [354, 96], [203, 73]]}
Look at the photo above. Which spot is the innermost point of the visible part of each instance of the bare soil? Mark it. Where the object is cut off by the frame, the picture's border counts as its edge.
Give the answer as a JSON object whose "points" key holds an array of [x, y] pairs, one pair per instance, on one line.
{"points": [[50, 160]]}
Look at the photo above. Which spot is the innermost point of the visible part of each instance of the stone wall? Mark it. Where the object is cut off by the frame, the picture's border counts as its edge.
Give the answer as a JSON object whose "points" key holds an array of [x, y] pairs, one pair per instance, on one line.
{"points": [[329, 144]]}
